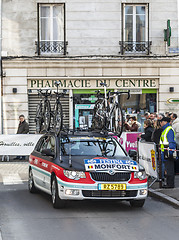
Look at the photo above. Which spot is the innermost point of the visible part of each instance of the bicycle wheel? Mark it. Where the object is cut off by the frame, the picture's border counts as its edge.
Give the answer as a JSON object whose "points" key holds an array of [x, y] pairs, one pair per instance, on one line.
{"points": [[117, 121], [99, 120], [38, 118], [46, 116], [58, 118]]}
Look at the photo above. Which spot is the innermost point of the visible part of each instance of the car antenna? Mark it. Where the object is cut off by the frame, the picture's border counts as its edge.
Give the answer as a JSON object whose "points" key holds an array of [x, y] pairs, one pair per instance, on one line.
{"points": [[70, 161], [60, 149]]}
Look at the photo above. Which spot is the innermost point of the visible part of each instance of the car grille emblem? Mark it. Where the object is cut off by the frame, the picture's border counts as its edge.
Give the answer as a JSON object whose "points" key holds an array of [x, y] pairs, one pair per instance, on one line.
{"points": [[111, 172]]}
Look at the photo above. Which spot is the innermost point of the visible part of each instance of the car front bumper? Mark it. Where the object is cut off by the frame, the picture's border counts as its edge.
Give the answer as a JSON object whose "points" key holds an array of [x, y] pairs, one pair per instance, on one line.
{"points": [[75, 191]]}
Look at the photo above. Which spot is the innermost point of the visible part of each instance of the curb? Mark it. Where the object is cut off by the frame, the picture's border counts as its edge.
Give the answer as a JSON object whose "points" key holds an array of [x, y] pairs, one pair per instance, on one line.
{"points": [[14, 161], [164, 198], [22, 163]]}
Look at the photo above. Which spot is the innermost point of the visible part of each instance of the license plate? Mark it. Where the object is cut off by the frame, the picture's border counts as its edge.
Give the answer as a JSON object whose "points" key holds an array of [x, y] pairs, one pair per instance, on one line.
{"points": [[109, 186]]}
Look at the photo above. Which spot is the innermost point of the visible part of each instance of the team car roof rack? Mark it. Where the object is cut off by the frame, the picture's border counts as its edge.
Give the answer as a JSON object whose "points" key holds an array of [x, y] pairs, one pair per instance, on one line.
{"points": [[89, 133], [73, 133]]}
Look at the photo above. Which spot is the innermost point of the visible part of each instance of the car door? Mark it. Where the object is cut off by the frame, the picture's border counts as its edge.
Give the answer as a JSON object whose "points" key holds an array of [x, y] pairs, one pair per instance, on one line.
{"points": [[36, 162], [42, 162], [47, 161]]}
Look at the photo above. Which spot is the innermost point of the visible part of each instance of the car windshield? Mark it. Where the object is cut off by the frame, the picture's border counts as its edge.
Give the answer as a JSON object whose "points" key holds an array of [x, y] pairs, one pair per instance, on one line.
{"points": [[99, 147]]}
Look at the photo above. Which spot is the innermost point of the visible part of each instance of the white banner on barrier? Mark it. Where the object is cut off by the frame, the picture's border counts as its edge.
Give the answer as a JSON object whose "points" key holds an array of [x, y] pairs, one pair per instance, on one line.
{"points": [[19, 144], [147, 158]]}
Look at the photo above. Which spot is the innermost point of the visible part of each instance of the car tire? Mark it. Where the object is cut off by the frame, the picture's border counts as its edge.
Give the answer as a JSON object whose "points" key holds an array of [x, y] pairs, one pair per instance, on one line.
{"points": [[56, 201], [31, 185], [137, 203]]}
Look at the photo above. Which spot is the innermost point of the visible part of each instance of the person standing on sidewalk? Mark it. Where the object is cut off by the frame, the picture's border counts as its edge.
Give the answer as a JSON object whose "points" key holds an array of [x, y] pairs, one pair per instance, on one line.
{"points": [[175, 126], [134, 126], [148, 130], [23, 128], [167, 140], [156, 133]]}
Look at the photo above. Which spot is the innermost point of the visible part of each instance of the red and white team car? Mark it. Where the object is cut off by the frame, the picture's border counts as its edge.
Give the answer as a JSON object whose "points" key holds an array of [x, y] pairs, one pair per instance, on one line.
{"points": [[78, 166]]}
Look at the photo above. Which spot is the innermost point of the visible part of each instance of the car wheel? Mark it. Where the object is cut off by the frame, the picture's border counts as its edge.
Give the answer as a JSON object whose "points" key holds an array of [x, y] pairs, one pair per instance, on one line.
{"points": [[56, 201], [137, 203], [31, 185]]}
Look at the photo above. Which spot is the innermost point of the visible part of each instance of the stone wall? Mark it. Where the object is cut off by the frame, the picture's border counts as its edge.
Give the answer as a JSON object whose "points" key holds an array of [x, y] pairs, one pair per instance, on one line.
{"points": [[92, 27]]}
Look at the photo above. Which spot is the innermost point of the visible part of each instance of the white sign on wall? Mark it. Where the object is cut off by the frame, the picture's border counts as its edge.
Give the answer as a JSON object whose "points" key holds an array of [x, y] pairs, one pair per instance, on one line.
{"points": [[18, 144]]}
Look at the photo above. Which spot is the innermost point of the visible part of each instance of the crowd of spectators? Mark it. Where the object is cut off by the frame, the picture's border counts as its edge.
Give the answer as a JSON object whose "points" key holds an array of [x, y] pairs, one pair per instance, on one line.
{"points": [[152, 128]]}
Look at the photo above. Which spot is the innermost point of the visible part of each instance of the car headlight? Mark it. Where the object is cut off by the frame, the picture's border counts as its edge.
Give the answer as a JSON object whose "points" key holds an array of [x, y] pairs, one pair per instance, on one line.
{"points": [[75, 175], [141, 174]]}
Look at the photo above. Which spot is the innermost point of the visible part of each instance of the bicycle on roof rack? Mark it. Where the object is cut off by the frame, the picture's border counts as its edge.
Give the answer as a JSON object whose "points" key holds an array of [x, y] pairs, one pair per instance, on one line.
{"points": [[106, 116], [57, 113], [45, 116]]}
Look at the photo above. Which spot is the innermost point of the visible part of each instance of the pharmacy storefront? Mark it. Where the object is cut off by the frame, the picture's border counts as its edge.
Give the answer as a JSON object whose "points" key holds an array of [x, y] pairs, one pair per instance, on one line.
{"points": [[81, 95], [153, 84]]}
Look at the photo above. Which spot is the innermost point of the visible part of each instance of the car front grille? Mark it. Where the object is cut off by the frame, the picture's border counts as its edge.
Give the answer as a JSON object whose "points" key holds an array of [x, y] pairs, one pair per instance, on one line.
{"points": [[106, 177], [109, 193]]}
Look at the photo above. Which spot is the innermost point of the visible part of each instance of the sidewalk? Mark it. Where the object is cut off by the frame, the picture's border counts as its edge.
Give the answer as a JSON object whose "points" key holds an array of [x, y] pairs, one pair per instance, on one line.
{"points": [[11, 159], [170, 196]]}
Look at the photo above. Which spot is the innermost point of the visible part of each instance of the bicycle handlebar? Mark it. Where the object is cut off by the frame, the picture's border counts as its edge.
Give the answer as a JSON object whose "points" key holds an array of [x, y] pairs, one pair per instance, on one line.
{"points": [[98, 92], [61, 93], [126, 92], [115, 93], [103, 84], [45, 92], [57, 83]]}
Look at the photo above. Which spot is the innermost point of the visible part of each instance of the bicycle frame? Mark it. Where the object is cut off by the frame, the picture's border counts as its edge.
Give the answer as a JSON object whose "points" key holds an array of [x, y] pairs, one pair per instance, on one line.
{"points": [[110, 113], [105, 94], [106, 101], [45, 115], [45, 99], [41, 117], [57, 113], [115, 94], [114, 105]]}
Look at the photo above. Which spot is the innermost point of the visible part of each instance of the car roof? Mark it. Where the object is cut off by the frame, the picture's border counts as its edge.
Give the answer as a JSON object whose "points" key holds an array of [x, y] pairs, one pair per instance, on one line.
{"points": [[86, 134], [79, 134]]}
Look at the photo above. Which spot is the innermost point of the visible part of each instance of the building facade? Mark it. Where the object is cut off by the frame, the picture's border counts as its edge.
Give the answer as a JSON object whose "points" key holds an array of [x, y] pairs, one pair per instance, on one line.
{"points": [[82, 43]]}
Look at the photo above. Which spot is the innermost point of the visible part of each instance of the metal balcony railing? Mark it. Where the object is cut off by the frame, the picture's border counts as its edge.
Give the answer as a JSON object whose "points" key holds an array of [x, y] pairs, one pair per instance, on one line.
{"points": [[135, 47], [51, 47]]}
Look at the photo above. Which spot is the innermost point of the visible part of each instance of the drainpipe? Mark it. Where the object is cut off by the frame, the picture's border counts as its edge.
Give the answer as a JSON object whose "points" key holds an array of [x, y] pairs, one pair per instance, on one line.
{"points": [[70, 109], [0, 67], [178, 21]]}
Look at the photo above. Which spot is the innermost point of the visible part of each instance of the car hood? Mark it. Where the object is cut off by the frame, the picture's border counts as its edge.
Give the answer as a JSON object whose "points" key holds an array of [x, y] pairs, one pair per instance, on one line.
{"points": [[94, 163]]}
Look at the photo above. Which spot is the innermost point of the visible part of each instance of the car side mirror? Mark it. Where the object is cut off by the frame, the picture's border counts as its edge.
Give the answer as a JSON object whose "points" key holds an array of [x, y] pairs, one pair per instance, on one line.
{"points": [[132, 153], [48, 152]]}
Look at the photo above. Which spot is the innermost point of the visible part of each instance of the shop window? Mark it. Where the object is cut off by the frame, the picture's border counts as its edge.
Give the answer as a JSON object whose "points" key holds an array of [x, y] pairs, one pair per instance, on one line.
{"points": [[135, 29], [51, 29], [83, 110], [138, 104]]}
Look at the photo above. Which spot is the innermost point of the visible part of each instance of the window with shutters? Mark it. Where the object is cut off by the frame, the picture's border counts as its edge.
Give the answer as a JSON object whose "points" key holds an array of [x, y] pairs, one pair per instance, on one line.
{"points": [[135, 29], [51, 29]]}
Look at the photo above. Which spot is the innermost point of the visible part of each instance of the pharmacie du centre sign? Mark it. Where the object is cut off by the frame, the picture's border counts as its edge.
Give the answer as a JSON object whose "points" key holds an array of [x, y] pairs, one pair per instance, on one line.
{"points": [[93, 83]]}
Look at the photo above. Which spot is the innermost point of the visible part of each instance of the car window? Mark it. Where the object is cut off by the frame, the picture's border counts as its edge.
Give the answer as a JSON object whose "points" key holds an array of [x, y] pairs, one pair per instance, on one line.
{"points": [[81, 147], [51, 144], [48, 142]]}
